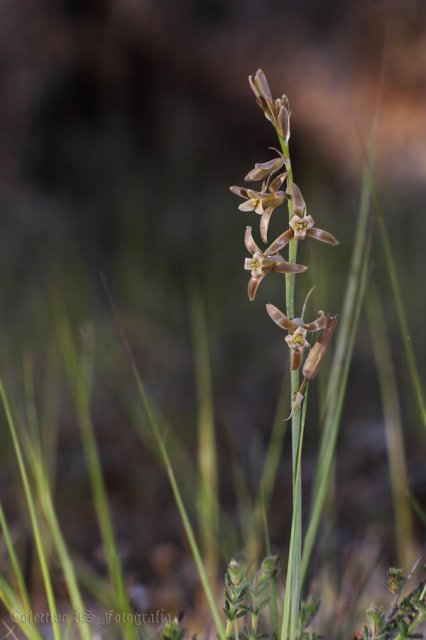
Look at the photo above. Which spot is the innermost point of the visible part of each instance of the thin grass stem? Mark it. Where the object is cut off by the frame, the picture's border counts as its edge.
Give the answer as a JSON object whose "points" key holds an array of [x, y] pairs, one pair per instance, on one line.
{"points": [[18, 616], [208, 503], [393, 429], [38, 537], [80, 376], [14, 561], [399, 301], [352, 305], [171, 475]]}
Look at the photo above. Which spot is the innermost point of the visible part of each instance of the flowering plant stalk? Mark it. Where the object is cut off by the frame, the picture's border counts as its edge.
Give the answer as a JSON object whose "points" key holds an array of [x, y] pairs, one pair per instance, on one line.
{"points": [[272, 195]]}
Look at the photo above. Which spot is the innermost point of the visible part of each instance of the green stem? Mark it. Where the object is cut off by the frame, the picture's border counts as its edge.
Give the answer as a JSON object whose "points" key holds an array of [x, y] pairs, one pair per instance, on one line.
{"points": [[295, 557], [228, 630]]}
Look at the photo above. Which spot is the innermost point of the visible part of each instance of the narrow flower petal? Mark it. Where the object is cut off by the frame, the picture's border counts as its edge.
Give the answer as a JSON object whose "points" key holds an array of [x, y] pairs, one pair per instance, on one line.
{"points": [[239, 191], [258, 173], [248, 205], [279, 318], [250, 243], [254, 87], [277, 182], [285, 102], [299, 203], [252, 287], [281, 242], [262, 84], [319, 323], [284, 123], [264, 223], [290, 267], [323, 236]]}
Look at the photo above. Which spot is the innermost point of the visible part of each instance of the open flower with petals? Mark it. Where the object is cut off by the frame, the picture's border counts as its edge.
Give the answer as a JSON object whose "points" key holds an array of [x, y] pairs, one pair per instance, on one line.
{"points": [[299, 229], [276, 111], [297, 328], [260, 265], [262, 202]]}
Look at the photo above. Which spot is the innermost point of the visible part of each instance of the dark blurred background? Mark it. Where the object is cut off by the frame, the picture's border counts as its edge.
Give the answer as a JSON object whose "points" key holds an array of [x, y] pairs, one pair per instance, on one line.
{"points": [[122, 124]]}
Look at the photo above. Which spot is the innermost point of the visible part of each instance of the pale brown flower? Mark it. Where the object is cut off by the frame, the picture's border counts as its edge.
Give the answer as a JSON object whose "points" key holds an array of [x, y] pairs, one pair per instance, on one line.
{"points": [[297, 328], [263, 170], [299, 229], [263, 203], [260, 265]]}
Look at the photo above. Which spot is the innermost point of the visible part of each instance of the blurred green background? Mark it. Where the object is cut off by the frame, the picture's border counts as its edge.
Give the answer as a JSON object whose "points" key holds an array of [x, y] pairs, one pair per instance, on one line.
{"points": [[122, 124]]}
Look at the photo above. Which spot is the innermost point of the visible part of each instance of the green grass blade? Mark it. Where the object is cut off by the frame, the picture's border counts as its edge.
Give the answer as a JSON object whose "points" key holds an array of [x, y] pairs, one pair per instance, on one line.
{"points": [[80, 376], [399, 301], [30, 499], [172, 479], [208, 503], [183, 514], [393, 430], [18, 615], [23, 592], [348, 326], [40, 473]]}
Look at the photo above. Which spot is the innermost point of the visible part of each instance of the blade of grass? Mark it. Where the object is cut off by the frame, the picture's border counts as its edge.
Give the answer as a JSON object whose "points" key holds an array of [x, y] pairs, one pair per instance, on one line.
{"points": [[393, 429], [417, 508], [398, 299], [16, 567], [348, 325], [152, 419], [80, 377], [208, 503], [30, 499], [18, 616], [41, 479], [49, 414]]}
